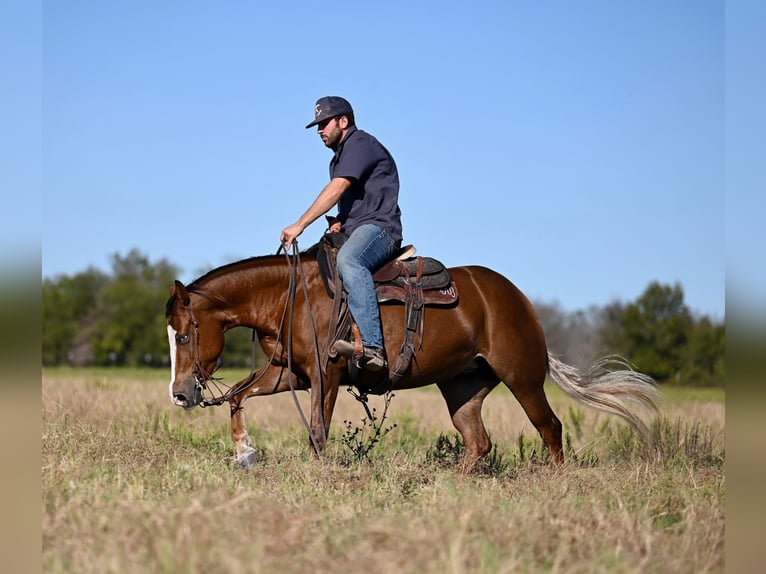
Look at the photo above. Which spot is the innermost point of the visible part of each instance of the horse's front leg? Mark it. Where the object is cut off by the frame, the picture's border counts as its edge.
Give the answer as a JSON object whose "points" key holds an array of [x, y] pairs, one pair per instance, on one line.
{"points": [[247, 456], [268, 383]]}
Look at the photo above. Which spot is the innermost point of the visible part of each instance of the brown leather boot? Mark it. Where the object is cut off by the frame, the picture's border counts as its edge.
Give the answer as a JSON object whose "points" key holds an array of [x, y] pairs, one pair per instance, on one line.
{"points": [[371, 358]]}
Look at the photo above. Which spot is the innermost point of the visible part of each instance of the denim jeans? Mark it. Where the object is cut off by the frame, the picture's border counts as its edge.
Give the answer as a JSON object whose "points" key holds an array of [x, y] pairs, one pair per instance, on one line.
{"points": [[368, 247]]}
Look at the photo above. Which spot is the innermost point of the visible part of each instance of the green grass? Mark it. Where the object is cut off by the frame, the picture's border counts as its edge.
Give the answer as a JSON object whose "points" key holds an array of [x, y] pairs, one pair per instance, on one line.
{"points": [[671, 394], [132, 484], [674, 393], [107, 373]]}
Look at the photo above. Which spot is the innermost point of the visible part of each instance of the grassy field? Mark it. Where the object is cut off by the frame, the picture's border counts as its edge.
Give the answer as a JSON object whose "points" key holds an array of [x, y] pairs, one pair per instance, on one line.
{"points": [[132, 484]]}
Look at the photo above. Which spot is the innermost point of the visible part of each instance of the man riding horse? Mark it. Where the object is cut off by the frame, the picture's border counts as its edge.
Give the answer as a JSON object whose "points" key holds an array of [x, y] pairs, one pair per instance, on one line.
{"points": [[364, 183]]}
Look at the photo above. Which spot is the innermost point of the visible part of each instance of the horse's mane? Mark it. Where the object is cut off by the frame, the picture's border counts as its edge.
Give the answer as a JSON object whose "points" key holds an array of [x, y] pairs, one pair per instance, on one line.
{"points": [[241, 265], [197, 286], [244, 265]]}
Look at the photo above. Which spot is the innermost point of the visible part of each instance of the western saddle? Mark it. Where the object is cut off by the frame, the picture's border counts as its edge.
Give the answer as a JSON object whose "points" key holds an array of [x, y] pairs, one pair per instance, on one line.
{"points": [[414, 281]]}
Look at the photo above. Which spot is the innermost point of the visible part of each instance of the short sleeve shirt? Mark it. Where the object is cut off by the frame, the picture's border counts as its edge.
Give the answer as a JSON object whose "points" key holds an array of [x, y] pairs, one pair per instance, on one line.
{"points": [[374, 193]]}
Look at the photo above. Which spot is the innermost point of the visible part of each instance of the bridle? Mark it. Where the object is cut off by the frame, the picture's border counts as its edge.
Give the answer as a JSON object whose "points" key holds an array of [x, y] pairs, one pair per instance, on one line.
{"points": [[222, 393], [201, 376]]}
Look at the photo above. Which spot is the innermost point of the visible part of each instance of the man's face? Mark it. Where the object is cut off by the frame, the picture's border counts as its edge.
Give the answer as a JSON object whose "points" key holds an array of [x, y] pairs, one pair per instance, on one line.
{"points": [[331, 132]]}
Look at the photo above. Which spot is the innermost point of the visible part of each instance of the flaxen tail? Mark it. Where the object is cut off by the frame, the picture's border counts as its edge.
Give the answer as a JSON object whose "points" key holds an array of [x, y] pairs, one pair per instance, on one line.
{"points": [[610, 385]]}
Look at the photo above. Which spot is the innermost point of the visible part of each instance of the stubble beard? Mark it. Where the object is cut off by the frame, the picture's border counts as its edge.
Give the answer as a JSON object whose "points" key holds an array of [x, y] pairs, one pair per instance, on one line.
{"points": [[333, 138]]}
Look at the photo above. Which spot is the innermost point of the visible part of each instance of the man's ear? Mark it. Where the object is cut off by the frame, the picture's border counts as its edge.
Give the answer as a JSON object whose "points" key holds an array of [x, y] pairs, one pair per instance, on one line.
{"points": [[343, 122]]}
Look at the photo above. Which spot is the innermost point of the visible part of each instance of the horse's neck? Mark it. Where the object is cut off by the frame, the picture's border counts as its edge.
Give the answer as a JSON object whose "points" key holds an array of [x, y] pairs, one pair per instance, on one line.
{"points": [[255, 296]]}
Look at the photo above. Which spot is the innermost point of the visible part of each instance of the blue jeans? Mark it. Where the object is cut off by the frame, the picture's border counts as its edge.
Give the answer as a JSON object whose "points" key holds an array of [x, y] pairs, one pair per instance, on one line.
{"points": [[368, 247]]}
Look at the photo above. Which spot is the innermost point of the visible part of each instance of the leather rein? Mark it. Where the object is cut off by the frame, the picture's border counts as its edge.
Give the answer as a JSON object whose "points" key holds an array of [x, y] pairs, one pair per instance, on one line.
{"points": [[202, 378]]}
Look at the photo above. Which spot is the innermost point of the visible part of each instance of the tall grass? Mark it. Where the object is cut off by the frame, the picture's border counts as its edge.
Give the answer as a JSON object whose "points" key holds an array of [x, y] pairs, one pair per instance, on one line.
{"points": [[132, 484]]}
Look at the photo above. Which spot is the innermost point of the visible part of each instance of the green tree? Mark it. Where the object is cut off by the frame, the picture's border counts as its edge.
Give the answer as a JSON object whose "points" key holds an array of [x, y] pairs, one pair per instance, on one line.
{"points": [[703, 357], [131, 328], [67, 305], [119, 319], [238, 349], [612, 331], [662, 338], [657, 329]]}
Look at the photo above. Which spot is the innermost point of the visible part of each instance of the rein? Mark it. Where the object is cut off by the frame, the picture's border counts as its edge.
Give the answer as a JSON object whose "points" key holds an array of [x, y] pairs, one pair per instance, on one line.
{"points": [[202, 377], [291, 298]]}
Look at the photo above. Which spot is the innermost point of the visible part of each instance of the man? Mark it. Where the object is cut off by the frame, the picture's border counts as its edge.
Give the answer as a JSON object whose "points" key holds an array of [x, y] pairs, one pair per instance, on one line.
{"points": [[364, 183]]}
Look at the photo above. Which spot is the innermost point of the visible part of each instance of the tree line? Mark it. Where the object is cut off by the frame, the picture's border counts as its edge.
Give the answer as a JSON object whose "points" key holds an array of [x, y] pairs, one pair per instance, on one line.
{"points": [[118, 318]]}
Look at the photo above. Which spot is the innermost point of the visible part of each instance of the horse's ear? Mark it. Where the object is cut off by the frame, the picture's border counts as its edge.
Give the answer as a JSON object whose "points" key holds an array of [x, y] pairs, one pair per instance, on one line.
{"points": [[181, 293]]}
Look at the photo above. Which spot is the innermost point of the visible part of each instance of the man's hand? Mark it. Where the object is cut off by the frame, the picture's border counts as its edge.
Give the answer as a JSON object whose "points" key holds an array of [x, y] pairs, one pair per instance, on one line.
{"points": [[329, 196], [290, 234]]}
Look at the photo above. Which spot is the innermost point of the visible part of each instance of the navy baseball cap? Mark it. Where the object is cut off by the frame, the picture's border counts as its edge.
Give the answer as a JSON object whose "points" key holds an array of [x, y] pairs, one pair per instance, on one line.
{"points": [[330, 107]]}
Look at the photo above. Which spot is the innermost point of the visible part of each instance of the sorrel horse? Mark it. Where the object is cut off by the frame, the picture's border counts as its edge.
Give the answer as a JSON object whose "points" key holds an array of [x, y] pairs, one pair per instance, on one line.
{"points": [[491, 335]]}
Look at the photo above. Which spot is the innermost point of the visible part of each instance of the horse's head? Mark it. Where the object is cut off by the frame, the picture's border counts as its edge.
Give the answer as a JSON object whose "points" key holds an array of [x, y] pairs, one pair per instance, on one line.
{"points": [[196, 339]]}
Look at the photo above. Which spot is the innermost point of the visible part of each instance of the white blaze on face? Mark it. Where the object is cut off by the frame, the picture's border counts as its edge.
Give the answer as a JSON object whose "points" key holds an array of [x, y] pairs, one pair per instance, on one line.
{"points": [[172, 341]]}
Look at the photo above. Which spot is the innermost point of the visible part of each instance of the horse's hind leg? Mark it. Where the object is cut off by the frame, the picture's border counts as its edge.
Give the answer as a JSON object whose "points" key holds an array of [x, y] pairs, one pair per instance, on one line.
{"points": [[464, 396], [535, 404]]}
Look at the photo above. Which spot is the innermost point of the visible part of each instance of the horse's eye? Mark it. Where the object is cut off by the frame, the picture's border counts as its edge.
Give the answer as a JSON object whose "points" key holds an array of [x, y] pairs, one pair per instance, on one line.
{"points": [[182, 339]]}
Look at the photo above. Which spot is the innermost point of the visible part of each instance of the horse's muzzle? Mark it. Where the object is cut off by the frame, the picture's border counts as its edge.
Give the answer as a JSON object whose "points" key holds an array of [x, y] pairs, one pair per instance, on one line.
{"points": [[189, 398], [182, 400]]}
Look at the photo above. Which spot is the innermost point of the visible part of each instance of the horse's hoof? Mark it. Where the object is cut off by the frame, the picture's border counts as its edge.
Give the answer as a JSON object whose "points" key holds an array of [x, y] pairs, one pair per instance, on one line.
{"points": [[248, 458]]}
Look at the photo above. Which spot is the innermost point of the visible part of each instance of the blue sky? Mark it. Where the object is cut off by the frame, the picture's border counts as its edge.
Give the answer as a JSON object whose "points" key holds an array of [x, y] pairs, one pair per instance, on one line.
{"points": [[577, 148]]}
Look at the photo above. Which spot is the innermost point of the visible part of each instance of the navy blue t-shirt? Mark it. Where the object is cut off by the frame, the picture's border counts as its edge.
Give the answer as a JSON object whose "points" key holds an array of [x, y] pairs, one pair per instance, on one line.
{"points": [[374, 193]]}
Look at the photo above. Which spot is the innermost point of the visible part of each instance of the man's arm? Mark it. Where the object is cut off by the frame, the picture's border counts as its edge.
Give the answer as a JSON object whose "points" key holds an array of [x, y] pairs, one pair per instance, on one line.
{"points": [[326, 199]]}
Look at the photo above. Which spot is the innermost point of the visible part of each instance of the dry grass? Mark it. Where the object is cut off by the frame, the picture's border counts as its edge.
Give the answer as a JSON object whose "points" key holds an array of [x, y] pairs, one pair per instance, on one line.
{"points": [[132, 484]]}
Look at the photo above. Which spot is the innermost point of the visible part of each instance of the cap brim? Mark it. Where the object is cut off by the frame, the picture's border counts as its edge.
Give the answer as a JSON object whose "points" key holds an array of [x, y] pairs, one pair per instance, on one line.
{"points": [[320, 120]]}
